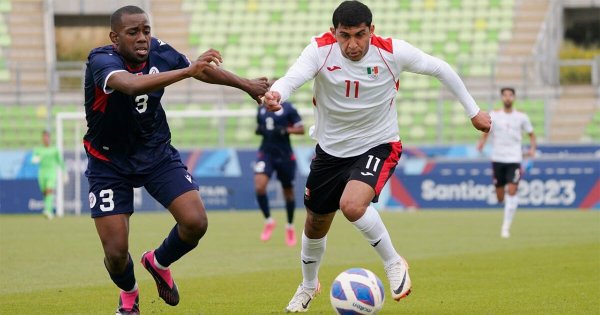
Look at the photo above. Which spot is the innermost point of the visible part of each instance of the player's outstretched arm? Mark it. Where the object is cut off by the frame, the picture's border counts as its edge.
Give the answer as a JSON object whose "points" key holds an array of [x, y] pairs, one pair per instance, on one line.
{"points": [[132, 84], [256, 88]]}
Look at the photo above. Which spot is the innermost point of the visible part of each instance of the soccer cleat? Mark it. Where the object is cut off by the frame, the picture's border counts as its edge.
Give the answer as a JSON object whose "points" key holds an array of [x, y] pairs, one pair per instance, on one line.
{"points": [[505, 233], [290, 236], [129, 303], [302, 298], [49, 215], [400, 283], [267, 231], [167, 289]]}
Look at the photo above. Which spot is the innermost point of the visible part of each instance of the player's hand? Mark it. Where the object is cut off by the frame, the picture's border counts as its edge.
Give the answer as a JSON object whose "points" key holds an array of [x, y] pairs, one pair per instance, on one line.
{"points": [[209, 59], [281, 130], [530, 153], [271, 101], [482, 121], [256, 88], [259, 131], [480, 146]]}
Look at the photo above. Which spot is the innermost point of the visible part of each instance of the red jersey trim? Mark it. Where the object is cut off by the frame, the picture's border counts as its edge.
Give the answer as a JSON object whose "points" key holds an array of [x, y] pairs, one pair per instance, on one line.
{"points": [[383, 43], [95, 153], [326, 39], [100, 100], [138, 69]]}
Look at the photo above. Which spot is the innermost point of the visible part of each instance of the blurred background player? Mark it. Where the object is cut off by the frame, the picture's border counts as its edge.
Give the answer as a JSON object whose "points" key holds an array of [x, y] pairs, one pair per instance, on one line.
{"points": [[276, 154], [507, 154], [356, 82], [50, 162], [128, 144]]}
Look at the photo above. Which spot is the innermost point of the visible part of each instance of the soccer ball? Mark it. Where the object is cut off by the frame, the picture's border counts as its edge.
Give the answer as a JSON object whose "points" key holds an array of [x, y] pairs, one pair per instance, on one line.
{"points": [[357, 291]]}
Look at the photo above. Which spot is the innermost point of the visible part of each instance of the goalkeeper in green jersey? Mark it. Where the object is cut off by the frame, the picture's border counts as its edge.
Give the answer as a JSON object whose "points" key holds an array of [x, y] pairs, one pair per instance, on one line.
{"points": [[50, 162]]}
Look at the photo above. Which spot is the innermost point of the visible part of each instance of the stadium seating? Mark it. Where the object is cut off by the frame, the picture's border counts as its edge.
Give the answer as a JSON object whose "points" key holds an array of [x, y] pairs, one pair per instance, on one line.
{"points": [[5, 7], [264, 37]]}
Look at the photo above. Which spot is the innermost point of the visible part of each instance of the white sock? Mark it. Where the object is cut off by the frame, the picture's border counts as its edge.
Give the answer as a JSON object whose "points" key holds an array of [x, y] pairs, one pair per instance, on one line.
{"points": [[269, 220], [135, 287], [373, 229], [159, 266], [311, 255], [510, 207]]}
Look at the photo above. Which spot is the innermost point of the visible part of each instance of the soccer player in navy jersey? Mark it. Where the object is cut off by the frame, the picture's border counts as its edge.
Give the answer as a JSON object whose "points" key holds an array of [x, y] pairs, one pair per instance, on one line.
{"points": [[276, 154], [128, 144]]}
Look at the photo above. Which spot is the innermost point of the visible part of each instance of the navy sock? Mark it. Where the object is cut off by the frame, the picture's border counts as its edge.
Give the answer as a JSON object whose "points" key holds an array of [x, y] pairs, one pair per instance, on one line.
{"points": [[290, 206], [126, 280], [263, 203], [172, 249]]}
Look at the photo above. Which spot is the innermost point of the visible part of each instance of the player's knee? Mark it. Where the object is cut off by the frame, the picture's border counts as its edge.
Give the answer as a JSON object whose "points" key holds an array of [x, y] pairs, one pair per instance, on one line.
{"points": [[352, 209], [116, 259], [194, 229]]}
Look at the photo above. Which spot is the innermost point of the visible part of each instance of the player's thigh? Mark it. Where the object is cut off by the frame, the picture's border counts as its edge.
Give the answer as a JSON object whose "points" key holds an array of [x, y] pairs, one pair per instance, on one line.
{"points": [[260, 182], [113, 231], [50, 182], [376, 166], [326, 182], [169, 181]]}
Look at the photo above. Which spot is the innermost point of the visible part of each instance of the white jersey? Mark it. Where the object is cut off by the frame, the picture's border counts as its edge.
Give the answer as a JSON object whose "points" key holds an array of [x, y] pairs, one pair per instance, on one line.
{"points": [[354, 101], [506, 135]]}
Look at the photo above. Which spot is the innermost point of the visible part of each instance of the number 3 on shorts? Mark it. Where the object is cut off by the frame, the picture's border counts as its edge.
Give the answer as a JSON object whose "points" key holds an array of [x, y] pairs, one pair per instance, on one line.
{"points": [[107, 204]]}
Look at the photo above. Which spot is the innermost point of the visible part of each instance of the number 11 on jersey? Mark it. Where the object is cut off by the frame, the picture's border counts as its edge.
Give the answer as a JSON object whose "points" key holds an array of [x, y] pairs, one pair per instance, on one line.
{"points": [[349, 85]]}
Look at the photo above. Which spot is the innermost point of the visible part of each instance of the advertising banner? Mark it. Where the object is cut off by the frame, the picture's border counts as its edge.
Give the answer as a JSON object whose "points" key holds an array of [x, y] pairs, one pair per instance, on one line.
{"points": [[450, 177]]}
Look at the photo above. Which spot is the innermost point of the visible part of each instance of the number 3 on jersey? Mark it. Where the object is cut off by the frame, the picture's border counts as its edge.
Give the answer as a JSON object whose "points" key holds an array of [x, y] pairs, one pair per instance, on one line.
{"points": [[352, 85], [141, 102]]}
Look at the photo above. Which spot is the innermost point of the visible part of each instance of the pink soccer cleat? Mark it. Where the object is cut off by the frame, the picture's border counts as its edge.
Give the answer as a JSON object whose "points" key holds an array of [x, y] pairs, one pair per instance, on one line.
{"points": [[267, 231], [167, 289], [129, 303], [290, 236]]}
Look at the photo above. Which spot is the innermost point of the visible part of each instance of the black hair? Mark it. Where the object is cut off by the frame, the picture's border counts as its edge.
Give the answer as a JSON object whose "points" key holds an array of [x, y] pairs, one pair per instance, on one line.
{"points": [[507, 89], [115, 18], [352, 13]]}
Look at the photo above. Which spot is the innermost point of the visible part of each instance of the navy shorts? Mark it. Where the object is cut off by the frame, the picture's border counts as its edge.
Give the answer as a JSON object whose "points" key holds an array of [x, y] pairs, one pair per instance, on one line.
{"points": [[284, 165], [329, 175], [112, 193]]}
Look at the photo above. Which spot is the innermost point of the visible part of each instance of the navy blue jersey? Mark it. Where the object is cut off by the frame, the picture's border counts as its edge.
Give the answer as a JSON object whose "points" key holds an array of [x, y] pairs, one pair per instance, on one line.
{"points": [[272, 126], [130, 132]]}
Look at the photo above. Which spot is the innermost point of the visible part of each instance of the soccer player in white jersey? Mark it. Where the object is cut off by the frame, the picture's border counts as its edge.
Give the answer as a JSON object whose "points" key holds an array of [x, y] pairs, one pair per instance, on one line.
{"points": [[356, 82], [507, 155]]}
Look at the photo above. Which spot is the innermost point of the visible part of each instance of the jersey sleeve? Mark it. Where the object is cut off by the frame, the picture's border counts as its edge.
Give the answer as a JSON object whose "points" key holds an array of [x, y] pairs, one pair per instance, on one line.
{"points": [[294, 118], [175, 59], [526, 125], [102, 66], [304, 69], [412, 59]]}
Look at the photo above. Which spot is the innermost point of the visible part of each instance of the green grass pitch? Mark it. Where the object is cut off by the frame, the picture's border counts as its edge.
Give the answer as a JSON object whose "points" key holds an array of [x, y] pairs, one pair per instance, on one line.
{"points": [[459, 264]]}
